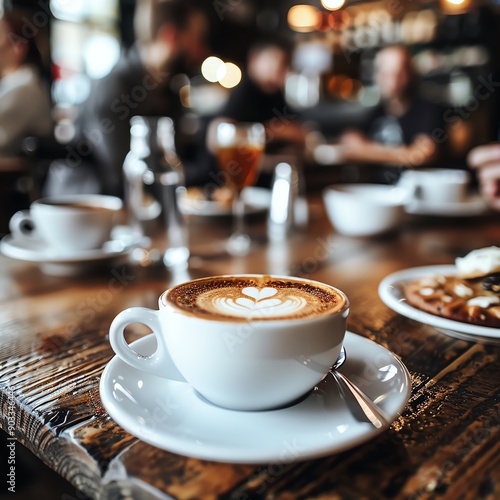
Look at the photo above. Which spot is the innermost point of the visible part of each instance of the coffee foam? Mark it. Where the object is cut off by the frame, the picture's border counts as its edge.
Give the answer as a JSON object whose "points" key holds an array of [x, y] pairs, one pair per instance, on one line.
{"points": [[259, 298]]}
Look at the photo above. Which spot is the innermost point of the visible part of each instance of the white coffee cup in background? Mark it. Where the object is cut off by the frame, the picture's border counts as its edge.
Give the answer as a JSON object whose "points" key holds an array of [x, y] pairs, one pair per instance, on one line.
{"points": [[364, 209], [245, 342], [436, 185], [68, 223]]}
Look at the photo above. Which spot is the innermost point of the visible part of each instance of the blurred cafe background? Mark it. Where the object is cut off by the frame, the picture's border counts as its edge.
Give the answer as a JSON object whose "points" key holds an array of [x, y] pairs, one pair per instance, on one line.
{"points": [[329, 88], [443, 55]]}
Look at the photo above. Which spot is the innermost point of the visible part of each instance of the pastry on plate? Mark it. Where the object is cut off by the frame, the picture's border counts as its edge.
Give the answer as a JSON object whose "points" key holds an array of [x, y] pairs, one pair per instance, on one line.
{"points": [[471, 295]]}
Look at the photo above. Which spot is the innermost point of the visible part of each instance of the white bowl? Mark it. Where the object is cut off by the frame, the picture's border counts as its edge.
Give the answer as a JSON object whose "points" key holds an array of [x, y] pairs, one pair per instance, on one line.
{"points": [[364, 209]]}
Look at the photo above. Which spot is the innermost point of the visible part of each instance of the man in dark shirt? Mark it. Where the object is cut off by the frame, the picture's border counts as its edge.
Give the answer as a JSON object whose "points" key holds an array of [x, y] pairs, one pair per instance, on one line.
{"points": [[139, 85], [420, 118], [403, 128]]}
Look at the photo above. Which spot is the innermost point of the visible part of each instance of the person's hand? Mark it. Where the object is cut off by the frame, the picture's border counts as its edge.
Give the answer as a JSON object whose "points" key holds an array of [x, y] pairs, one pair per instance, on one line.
{"points": [[486, 160]]}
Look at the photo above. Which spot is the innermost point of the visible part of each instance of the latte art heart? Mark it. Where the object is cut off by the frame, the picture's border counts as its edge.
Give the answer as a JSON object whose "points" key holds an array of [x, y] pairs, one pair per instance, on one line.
{"points": [[254, 299], [259, 305]]}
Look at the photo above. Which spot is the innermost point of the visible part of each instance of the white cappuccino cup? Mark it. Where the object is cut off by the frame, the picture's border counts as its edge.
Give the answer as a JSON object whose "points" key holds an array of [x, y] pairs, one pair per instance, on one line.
{"points": [[244, 342]]}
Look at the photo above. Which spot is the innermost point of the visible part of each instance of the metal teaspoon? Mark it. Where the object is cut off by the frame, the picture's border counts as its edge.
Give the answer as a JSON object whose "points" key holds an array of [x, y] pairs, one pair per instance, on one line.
{"points": [[374, 413]]}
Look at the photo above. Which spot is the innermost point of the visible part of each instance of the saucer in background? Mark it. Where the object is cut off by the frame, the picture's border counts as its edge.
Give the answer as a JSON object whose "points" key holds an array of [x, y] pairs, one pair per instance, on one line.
{"points": [[56, 263], [472, 206]]}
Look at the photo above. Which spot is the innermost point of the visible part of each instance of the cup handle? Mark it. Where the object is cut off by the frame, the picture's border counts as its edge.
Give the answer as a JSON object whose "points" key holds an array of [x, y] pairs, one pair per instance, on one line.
{"points": [[21, 224], [408, 183], [159, 363]]}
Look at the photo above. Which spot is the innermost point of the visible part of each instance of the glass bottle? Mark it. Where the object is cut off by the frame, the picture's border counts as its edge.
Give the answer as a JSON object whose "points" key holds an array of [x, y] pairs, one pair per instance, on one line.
{"points": [[288, 209], [154, 177]]}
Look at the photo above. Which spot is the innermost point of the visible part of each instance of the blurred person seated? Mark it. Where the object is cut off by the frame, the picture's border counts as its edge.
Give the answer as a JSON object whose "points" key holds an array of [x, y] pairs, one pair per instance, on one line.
{"points": [[140, 85], [25, 110], [400, 130], [485, 160], [25, 104], [260, 95]]}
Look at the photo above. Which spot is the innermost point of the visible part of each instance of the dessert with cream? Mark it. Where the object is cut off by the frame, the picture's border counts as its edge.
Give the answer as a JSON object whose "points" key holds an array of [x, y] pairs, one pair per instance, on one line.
{"points": [[471, 295]]}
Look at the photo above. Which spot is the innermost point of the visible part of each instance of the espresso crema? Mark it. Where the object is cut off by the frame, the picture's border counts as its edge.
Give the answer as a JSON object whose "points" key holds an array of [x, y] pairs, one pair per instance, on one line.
{"points": [[255, 298]]}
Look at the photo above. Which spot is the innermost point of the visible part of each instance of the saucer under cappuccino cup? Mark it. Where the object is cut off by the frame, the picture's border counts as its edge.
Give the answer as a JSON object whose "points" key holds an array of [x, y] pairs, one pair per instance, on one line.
{"points": [[244, 342], [68, 223]]}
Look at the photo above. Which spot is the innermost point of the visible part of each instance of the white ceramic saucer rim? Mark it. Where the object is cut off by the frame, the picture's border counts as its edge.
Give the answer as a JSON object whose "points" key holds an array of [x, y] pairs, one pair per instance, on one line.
{"points": [[18, 249], [468, 337], [397, 400], [471, 206], [390, 293]]}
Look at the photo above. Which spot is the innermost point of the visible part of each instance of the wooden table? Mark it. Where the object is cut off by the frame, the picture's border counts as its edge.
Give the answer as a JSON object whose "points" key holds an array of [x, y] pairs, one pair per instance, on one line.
{"points": [[445, 444]]}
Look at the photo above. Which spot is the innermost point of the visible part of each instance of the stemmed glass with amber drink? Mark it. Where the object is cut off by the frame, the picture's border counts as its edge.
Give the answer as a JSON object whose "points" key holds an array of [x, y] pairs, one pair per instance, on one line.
{"points": [[239, 147]]}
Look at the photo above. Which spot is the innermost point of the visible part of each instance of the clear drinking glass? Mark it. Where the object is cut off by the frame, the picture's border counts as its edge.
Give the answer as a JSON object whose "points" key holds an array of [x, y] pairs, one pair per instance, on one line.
{"points": [[239, 148]]}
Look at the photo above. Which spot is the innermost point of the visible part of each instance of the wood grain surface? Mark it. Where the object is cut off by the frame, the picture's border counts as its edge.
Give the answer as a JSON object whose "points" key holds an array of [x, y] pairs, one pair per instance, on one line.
{"points": [[444, 445]]}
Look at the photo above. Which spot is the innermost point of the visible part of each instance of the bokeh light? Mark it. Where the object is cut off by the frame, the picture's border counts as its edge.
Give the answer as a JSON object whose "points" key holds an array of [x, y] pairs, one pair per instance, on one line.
{"points": [[215, 70], [455, 6], [332, 4], [231, 77], [303, 18], [211, 68]]}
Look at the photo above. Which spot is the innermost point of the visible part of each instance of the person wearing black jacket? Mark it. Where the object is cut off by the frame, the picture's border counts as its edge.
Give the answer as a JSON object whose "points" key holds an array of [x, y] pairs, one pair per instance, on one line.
{"points": [[138, 85]]}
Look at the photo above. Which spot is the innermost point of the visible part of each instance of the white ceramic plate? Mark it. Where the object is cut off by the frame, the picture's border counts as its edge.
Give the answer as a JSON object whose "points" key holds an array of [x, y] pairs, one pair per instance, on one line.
{"points": [[171, 416], [391, 292], [256, 200], [66, 264], [472, 206]]}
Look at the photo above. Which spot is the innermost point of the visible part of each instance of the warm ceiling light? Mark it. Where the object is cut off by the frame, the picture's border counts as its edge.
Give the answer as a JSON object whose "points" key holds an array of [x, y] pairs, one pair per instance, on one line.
{"points": [[211, 67], [455, 6], [231, 76], [333, 4], [303, 18]]}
